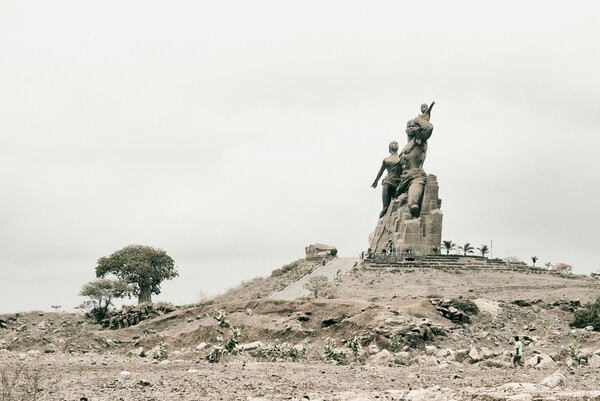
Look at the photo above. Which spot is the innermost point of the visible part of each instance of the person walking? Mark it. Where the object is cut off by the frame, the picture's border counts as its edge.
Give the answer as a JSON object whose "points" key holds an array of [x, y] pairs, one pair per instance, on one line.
{"points": [[518, 353]]}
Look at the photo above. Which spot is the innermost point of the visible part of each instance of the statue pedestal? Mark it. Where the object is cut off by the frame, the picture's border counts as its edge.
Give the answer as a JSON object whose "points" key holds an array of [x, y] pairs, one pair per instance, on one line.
{"points": [[398, 232]]}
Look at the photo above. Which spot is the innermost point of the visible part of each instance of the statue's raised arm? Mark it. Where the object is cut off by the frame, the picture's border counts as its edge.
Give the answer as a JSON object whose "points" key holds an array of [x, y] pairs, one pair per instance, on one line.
{"points": [[430, 107]]}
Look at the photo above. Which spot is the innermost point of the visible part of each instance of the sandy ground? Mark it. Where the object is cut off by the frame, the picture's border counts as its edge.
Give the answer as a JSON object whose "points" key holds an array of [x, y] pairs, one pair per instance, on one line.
{"points": [[110, 377], [65, 357]]}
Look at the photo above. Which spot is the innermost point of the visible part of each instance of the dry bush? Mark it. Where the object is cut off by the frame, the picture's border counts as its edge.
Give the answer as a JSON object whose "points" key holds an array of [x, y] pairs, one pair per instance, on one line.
{"points": [[588, 316], [20, 382], [316, 285], [563, 267], [465, 305], [285, 269]]}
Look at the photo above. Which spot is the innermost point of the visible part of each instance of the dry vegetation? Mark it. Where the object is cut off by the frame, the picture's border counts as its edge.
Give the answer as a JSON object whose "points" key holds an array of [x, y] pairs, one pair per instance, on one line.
{"points": [[380, 338], [263, 287]]}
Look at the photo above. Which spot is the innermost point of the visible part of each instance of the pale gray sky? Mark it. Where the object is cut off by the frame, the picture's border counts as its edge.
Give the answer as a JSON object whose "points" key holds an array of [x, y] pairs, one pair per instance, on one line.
{"points": [[231, 134]]}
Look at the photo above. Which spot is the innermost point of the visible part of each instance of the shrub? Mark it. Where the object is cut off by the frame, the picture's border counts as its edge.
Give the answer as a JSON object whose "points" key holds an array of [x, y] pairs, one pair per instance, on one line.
{"points": [[332, 353], [396, 343], [316, 285], [19, 382], [222, 319], [465, 305], [284, 269], [229, 347], [588, 316], [279, 352], [354, 345], [161, 352]]}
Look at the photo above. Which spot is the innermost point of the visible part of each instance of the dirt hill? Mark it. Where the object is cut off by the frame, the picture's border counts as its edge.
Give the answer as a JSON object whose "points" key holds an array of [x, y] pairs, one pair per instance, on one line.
{"points": [[395, 329]]}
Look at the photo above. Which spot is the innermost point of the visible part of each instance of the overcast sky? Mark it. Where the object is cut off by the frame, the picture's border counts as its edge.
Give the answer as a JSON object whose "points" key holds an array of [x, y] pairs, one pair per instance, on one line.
{"points": [[232, 134]]}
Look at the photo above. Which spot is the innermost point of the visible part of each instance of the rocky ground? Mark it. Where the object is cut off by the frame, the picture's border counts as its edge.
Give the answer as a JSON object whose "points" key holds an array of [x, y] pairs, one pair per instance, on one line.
{"points": [[402, 335]]}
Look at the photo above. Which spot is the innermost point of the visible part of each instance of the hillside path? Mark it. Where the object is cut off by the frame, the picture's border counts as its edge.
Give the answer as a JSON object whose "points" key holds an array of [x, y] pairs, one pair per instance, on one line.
{"points": [[296, 290]]}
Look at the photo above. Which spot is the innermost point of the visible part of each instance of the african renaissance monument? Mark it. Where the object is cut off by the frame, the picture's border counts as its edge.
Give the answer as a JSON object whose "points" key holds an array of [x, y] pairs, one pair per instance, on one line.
{"points": [[410, 222]]}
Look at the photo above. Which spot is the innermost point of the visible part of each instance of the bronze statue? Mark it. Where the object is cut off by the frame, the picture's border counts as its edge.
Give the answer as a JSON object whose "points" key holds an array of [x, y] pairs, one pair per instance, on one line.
{"points": [[426, 111], [413, 178], [405, 170], [392, 179]]}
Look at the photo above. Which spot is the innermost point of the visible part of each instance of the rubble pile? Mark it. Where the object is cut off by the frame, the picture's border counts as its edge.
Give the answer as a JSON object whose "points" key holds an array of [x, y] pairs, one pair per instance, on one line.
{"points": [[132, 315], [450, 312]]}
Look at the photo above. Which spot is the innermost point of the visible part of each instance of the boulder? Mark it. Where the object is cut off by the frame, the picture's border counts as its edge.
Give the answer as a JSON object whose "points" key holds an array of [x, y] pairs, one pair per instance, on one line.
{"points": [[402, 358], [474, 355], [594, 361], [442, 353], [381, 358], [33, 352], [430, 349], [532, 362], [486, 354], [373, 349], [501, 363], [481, 334], [544, 361], [138, 352], [459, 355], [519, 397], [251, 346], [556, 379], [428, 361]]}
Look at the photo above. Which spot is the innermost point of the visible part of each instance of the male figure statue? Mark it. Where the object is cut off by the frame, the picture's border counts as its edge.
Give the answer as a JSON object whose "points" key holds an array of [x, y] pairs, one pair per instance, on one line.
{"points": [[412, 157]]}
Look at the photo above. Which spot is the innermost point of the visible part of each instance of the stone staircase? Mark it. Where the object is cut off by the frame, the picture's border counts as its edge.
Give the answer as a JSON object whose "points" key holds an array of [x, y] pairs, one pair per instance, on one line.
{"points": [[339, 266], [439, 262], [331, 270]]}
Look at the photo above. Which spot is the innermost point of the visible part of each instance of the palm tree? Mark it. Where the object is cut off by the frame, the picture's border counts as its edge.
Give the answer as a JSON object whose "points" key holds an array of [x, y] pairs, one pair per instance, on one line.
{"points": [[466, 248], [534, 259], [483, 250], [448, 246], [435, 250]]}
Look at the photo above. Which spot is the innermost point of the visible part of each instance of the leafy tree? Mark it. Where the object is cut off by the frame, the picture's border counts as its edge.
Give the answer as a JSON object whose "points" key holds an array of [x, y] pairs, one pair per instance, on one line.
{"points": [[484, 250], [513, 260], [316, 285], [466, 248], [142, 266], [448, 246], [533, 260], [101, 293], [563, 267]]}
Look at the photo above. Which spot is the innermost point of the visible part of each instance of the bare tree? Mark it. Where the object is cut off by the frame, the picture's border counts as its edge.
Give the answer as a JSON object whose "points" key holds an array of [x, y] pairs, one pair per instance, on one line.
{"points": [[316, 285]]}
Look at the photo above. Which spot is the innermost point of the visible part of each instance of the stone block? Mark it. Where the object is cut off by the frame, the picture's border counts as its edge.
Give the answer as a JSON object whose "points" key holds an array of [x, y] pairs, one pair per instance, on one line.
{"points": [[418, 235]]}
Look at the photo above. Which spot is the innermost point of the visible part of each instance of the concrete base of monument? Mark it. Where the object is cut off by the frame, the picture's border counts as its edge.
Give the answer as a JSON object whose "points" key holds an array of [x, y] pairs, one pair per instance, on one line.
{"points": [[401, 233]]}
